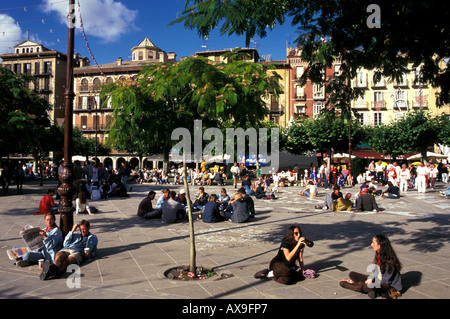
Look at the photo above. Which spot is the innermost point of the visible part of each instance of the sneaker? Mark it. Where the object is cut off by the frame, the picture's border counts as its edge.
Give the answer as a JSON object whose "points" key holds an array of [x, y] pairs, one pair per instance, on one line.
{"points": [[23, 263], [318, 207], [393, 293], [48, 270]]}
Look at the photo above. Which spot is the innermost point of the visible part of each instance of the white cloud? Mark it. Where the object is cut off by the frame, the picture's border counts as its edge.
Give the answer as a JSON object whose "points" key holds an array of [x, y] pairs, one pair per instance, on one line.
{"points": [[10, 34], [104, 19]]}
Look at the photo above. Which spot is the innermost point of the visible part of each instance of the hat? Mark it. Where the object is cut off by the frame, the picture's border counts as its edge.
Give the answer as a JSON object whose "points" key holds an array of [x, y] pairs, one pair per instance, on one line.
{"points": [[364, 190], [348, 195], [182, 191]]}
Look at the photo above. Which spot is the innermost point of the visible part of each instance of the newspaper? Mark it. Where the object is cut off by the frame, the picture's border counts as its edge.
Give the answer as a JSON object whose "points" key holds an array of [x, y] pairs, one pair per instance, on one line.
{"points": [[32, 237]]}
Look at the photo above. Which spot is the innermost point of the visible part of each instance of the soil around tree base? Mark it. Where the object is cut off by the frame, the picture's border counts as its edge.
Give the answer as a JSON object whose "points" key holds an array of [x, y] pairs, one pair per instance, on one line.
{"points": [[201, 273]]}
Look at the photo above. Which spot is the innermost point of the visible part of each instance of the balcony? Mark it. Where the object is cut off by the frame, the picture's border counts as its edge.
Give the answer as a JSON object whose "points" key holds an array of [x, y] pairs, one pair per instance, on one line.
{"points": [[378, 106], [300, 97], [92, 127], [361, 105], [401, 84]]}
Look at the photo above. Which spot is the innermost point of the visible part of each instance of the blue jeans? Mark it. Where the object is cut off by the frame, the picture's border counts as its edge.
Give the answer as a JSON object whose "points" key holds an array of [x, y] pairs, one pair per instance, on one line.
{"points": [[32, 257], [124, 182], [201, 207]]}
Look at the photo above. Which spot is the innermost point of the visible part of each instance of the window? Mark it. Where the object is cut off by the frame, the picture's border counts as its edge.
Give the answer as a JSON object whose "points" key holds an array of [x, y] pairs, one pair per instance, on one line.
{"points": [[361, 118], [17, 68], [318, 91], [83, 122], [97, 84], [300, 109], [361, 79], [377, 118], [47, 67], [299, 92], [317, 108], [140, 56], [84, 87], [299, 71], [37, 68], [337, 70], [27, 68]]}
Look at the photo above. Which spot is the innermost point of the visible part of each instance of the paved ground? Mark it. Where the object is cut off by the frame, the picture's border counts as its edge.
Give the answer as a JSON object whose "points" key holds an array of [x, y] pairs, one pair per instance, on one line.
{"points": [[135, 253]]}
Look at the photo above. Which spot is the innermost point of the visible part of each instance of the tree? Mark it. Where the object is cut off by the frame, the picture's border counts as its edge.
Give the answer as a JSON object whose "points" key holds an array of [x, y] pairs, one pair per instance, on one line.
{"points": [[385, 36], [421, 130], [388, 139], [24, 115], [323, 134]]}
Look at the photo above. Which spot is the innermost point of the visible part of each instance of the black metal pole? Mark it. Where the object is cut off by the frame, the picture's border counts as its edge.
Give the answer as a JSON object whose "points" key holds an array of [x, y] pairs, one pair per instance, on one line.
{"points": [[66, 189]]}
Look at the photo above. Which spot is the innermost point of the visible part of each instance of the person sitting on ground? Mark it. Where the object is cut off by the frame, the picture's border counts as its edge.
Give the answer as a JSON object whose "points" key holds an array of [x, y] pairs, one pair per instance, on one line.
{"points": [[162, 199], [310, 190], [386, 279], [201, 200], [119, 191], [283, 267], [82, 205], [171, 209], [237, 210], [446, 193], [259, 191], [53, 242], [145, 208], [211, 213], [223, 199], [250, 203], [95, 192], [391, 192], [330, 198], [73, 251], [342, 204], [366, 202], [47, 204], [181, 197]]}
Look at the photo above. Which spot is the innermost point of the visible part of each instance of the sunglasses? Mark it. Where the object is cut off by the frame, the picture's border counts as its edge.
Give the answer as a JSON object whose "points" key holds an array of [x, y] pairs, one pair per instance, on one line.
{"points": [[296, 233]]}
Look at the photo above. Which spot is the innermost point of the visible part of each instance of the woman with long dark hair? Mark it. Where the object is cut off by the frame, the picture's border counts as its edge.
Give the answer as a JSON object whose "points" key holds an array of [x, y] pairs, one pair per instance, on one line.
{"points": [[283, 265], [386, 279]]}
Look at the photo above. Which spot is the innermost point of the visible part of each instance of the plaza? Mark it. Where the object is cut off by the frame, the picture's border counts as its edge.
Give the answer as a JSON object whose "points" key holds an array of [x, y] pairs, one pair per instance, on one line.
{"points": [[135, 253]]}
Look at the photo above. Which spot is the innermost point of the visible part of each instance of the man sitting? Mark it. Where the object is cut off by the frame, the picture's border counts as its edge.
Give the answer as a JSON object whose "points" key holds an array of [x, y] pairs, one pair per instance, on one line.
{"points": [[171, 209], [47, 204], [366, 202], [145, 208], [73, 252]]}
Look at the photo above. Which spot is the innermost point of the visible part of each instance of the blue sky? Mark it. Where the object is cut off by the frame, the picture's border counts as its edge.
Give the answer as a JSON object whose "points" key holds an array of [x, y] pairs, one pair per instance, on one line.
{"points": [[113, 27]]}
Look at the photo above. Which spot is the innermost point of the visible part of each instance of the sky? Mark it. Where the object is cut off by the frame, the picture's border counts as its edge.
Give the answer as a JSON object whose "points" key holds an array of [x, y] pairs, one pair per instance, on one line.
{"points": [[113, 27]]}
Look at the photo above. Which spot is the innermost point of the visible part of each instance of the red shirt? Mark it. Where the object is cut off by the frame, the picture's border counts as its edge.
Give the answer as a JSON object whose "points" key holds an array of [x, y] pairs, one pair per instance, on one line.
{"points": [[45, 204]]}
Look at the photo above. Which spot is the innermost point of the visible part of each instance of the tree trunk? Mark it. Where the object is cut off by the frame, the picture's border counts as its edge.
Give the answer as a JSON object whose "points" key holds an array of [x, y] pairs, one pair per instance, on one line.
{"points": [[192, 254]]}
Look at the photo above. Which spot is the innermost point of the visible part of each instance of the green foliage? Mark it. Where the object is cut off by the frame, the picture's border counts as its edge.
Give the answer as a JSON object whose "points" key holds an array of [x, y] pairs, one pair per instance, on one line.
{"points": [[321, 135], [24, 115], [416, 132]]}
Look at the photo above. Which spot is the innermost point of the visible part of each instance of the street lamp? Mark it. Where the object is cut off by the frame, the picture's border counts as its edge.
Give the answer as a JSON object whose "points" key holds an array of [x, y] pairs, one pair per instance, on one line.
{"points": [[66, 189]]}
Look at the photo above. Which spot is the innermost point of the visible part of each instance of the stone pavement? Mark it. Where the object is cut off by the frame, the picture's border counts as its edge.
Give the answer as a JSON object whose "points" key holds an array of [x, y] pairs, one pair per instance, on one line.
{"points": [[134, 253]]}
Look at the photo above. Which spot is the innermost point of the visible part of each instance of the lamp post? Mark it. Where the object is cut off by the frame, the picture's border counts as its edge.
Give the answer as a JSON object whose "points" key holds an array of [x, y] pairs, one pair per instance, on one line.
{"points": [[66, 189]]}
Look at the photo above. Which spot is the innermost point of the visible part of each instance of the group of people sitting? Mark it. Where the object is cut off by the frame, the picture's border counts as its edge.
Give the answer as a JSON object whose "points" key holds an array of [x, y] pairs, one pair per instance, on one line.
{"points": [[57, 252], [172, 207], [364, 199]]}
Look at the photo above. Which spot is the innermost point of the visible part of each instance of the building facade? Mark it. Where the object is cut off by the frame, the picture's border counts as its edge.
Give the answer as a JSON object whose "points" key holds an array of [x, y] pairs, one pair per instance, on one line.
{"points": [[90, 114], [48, 68]]}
